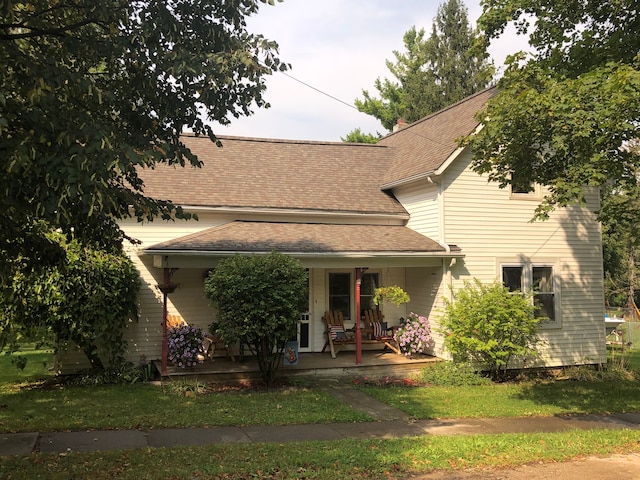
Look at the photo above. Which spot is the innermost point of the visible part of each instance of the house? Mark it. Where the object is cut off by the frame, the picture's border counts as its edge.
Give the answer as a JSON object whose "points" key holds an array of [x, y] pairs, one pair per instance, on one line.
{"points": [[408, 211]]}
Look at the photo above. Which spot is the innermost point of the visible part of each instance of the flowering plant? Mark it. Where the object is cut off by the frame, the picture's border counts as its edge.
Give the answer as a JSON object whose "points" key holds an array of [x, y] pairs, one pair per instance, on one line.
{"points": [[414, 335], [185, 345]]}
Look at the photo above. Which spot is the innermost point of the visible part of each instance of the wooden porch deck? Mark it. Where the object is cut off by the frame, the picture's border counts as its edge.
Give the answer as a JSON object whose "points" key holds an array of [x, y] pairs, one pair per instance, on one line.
{"points": [[375, 364]]}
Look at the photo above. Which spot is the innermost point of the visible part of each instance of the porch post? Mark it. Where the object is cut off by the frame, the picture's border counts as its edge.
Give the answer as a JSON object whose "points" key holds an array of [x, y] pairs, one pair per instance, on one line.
{"points": [[165, 348], [358, 329]]}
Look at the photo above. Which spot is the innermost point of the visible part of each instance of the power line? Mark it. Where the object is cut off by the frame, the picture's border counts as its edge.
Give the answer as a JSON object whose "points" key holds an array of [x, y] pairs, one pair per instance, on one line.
{"points": [[320, 91]]}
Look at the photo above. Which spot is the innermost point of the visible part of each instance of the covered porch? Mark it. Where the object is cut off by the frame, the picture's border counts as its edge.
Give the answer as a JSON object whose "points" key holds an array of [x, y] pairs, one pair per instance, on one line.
{"points": [[338, 258], [310, 367]]}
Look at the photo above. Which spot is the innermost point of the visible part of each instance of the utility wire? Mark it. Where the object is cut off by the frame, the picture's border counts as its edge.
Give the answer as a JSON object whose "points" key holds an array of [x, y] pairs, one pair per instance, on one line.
{"points": [[354, 107], [320, 91]]}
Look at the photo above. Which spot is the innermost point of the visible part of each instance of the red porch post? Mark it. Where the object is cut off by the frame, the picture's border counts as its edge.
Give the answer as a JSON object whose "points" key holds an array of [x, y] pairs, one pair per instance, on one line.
{"points": [[358, 329], [165, 348]]}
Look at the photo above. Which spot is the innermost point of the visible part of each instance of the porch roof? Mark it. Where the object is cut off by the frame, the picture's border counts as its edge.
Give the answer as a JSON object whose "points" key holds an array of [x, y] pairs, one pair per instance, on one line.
{"points": [[301, 239]]}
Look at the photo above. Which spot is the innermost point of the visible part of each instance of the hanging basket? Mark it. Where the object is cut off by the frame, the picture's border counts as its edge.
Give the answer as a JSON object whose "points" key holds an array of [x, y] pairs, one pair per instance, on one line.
{"points": [[167, 287], [392, 294]]}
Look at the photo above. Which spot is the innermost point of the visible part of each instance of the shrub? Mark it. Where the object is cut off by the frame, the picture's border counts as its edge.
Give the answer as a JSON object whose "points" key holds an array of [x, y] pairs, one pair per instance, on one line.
{"points": [[414, 335], [259, 300], [450, 374], [185, 345], [491, 326]]}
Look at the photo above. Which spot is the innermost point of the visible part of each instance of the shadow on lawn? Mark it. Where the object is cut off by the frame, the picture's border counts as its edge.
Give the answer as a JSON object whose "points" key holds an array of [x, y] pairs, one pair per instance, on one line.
{"points": [[585, 397]]}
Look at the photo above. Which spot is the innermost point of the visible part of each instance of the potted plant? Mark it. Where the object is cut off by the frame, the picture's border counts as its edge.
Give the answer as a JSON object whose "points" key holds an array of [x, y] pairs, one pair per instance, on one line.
{"points": [[391, 294]]}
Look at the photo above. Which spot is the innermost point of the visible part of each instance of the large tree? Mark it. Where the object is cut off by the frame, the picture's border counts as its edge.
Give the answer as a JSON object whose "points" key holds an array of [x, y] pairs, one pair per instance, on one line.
{"points": [[433, 72], [92, 91], [565, 115]]}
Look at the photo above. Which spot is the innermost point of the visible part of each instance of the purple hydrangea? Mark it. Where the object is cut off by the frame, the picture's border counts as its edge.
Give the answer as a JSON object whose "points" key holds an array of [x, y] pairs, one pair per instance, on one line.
{"points": [[414, 335], [185, 343]]}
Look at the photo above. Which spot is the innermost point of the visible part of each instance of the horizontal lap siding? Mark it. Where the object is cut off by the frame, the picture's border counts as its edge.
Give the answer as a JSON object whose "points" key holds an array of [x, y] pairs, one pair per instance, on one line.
{"points": [[491, 227], [421, 201], [144, 337]]}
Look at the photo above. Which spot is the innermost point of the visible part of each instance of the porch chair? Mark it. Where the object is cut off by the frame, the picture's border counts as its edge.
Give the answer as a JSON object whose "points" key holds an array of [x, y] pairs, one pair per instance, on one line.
{"points": [[376, 330], [337, 335]]}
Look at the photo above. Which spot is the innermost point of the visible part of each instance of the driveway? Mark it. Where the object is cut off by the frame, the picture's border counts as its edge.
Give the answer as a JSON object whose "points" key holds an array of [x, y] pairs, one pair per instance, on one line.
{"points": [[615, 467]]}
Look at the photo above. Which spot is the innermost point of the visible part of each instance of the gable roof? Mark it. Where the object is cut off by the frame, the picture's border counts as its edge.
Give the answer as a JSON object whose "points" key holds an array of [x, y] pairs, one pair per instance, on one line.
{"points": [[424, 146], [278, 174], [305, 238]]}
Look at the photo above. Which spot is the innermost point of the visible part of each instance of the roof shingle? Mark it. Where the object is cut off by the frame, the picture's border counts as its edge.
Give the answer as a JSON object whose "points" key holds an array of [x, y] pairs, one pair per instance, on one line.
{"points": [[425, 145]]}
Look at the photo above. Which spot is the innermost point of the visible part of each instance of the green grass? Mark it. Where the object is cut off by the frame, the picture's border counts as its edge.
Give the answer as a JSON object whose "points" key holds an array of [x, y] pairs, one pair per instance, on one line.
{"points": [[147, 406], [512, 399], [38, 367], [344, 459]]}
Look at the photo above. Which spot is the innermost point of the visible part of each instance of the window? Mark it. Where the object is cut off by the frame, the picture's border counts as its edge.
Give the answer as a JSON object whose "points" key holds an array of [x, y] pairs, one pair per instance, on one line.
{"points": [[340, 293], [538, 279], [367, 289], [523, 188], [543, 291], [512, 277]]}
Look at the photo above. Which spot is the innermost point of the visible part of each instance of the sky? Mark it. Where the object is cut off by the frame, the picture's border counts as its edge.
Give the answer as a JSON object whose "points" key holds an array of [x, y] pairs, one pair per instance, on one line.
{"points": [[338, 47]]}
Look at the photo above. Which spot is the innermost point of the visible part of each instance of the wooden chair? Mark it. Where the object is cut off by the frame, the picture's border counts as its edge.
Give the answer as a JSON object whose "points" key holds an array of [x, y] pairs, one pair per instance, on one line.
{"points": [[376, 330], [337, 335], [174, 321]]}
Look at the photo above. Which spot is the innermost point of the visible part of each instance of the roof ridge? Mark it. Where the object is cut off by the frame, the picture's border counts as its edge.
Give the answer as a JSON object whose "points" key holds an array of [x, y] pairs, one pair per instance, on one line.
{"points": [[442, 110], [283, 140]]}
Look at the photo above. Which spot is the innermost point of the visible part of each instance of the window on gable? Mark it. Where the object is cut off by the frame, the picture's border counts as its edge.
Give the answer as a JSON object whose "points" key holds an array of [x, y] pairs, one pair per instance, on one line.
{"points": [[538, 279], [521, 184]]}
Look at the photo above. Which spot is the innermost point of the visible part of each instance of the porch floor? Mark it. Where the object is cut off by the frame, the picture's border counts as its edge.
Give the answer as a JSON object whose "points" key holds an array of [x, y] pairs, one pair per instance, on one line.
{"points": [[374, 364]]}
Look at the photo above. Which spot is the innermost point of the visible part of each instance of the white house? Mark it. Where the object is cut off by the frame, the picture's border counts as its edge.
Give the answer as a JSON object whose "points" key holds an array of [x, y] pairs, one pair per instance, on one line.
{"points": [[408, 210]]}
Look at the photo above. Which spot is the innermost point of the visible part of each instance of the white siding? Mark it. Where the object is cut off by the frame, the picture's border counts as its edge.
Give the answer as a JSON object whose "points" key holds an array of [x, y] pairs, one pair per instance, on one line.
{"points": [[421, 201], [491, 227], [144, 337]]}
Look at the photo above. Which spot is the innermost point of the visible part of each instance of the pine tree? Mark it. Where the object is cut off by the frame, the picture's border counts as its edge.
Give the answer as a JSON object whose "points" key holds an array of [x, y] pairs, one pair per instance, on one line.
{"points": [[433, 72]]}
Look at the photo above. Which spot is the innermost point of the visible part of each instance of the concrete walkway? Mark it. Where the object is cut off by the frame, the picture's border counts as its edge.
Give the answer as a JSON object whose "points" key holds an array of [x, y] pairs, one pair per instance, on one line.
{"points": [[390, 423]]}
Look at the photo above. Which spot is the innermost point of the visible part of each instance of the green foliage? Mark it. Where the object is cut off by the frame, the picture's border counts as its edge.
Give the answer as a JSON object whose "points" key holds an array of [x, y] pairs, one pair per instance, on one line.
{"points": [[123, 373], [486, 324], [391, 294], [88, 300], [451, 374], [433, 73], [564, 116], [357, 136], [259, 299], [94, 91]]}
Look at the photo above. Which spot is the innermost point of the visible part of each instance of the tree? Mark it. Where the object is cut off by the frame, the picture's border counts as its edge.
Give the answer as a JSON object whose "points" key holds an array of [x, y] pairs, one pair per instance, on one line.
{"points": [[488, 325], [259, 300], [564, 115], [88, 301], [358, 136], [92, 91], [433, 73]]}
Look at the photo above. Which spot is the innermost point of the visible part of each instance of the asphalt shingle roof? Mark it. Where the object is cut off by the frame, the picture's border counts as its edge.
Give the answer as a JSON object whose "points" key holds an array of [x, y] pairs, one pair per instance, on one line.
{"points": [[425, 145], [243, 236], [280, 174]]}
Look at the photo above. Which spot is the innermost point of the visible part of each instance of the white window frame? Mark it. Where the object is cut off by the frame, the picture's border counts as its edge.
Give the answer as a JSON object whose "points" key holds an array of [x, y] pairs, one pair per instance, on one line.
{"points": [[527, 284]]}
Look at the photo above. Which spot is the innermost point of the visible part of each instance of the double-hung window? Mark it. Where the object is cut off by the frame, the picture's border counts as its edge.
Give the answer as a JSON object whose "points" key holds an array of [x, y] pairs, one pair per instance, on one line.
{"points": [[341, 292], [539, 279]]}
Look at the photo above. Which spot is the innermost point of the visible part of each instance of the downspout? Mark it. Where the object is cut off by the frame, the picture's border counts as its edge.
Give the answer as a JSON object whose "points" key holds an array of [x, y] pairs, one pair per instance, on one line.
{"points": [[165, 348], [447, 263], [358, 329]]}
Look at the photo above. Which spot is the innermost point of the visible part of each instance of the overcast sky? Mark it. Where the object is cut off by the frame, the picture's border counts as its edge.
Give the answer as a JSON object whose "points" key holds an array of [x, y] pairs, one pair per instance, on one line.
{"points": [[339, 47]]}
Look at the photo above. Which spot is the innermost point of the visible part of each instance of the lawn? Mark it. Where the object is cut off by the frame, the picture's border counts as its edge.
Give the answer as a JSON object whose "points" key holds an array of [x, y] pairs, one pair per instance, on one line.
{"points": [[512, 399], [336, 460], [25, 407]]}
